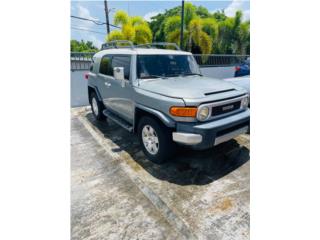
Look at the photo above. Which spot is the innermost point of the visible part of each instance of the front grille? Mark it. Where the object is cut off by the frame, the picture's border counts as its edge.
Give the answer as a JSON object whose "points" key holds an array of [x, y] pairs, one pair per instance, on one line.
{"points": [[226, 108]]}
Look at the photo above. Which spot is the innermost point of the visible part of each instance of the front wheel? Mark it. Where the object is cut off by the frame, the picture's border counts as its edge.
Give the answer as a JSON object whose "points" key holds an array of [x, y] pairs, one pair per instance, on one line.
{"points": [[155, 140]]}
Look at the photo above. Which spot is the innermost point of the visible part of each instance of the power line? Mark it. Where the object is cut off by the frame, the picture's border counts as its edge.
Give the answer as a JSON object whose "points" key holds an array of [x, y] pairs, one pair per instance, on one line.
{"points": [[94, 21], [87, 30], [88, 27]]}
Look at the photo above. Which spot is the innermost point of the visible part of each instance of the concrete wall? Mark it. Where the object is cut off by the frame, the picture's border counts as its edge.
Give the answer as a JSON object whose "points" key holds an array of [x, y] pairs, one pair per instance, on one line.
{"points": [[79, 94], [79, 90], [218, 72]]}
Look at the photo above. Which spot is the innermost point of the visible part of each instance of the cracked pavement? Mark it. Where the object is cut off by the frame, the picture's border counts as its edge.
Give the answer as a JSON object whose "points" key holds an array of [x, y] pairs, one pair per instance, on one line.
{"points": [[116, 193]]}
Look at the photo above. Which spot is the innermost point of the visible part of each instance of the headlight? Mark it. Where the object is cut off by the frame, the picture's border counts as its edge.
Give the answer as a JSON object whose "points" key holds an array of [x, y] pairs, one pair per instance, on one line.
{"points": [[203, 113], [245, 102]]}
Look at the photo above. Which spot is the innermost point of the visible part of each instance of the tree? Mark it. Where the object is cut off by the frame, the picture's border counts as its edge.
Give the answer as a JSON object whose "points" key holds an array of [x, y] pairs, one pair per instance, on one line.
{"points": [[227, 34], [196, 30], [133, 28], [82, 46], [234, 35]]}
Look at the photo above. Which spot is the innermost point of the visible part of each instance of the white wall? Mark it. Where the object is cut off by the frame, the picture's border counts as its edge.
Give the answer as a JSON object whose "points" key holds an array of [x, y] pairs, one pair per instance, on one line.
{"points": [[79, 89], [218, 72]]}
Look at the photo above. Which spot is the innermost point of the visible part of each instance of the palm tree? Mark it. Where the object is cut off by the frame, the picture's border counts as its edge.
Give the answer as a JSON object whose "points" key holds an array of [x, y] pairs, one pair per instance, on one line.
{"points": [[133, 28], [198, 32], [234, 35]]}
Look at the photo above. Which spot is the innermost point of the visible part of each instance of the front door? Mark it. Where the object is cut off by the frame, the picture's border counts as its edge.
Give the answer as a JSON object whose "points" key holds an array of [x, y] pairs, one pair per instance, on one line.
{"points": [[116, 97]]}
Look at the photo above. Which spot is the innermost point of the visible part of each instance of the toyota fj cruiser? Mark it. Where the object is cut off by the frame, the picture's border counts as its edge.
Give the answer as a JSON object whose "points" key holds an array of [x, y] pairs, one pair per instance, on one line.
{"points": [[161, 95]]}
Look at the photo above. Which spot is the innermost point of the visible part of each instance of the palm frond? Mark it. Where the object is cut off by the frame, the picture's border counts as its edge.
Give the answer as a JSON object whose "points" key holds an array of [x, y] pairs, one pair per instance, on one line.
{"points": [[121, 18], [128, 32], [172, 24], [136, 20], [115, 35], [143, 34]]}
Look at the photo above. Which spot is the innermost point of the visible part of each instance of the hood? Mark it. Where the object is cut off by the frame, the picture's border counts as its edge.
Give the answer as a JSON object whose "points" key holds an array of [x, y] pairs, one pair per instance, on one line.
{"points": [[243, 82], [188, 86]]}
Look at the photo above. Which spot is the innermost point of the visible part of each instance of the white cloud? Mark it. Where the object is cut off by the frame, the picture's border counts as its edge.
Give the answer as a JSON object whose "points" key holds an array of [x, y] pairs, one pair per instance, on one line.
{"points": [[233, 7], [96, 42], [246, 15], [83, 12], [236, 5], [148, 16]]}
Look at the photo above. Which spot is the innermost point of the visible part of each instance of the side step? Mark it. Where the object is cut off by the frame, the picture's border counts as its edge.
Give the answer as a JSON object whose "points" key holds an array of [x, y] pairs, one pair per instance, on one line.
{"points": [[118, 120]]}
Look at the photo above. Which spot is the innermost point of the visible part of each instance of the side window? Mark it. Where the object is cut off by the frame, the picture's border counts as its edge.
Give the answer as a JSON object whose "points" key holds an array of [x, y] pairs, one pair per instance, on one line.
{"points": [[105, 66], [91, 67], [122, 61]]}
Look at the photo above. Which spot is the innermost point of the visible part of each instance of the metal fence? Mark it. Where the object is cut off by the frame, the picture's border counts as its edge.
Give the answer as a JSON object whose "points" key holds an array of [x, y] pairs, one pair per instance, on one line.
{"points": [[219, 60], [82, 61]]}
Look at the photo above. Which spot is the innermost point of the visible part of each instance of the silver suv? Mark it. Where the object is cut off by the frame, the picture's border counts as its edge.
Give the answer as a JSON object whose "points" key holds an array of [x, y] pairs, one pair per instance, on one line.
{"points": [[161, 95]]}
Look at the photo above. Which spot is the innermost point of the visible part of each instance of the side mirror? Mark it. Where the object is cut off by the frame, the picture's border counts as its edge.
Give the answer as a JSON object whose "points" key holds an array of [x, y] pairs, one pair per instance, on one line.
{"points": [[118, 73]]}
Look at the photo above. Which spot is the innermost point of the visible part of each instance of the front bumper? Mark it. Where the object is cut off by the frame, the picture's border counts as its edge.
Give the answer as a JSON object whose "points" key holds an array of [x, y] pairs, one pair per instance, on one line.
{"points": [[208, 134]]}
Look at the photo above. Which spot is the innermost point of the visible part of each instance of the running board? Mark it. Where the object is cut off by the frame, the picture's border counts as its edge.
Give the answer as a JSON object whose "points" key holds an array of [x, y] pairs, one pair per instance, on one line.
{"points": [[118, 120]]}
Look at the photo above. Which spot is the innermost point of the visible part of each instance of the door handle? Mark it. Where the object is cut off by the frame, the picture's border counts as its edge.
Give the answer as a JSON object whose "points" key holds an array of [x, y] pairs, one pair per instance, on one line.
{"points": [[107, 84]]}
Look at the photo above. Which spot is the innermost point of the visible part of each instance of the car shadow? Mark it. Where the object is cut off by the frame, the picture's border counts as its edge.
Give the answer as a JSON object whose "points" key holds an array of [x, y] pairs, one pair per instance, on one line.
{"points": [[188, 167]]}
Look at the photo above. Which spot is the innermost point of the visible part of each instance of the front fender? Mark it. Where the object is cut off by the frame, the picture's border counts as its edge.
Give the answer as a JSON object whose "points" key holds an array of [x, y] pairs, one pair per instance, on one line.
{"points": [[169, 122]]}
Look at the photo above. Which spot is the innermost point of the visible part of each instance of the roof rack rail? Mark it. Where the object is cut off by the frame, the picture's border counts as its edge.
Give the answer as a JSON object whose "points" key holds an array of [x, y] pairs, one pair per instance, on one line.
{"points": [[152, 45], [114, 44], [129, 44]]}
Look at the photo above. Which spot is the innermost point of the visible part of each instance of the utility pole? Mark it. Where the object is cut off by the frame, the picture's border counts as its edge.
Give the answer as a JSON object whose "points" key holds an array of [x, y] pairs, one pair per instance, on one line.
{"points": [[107, 15], [181, 29]]}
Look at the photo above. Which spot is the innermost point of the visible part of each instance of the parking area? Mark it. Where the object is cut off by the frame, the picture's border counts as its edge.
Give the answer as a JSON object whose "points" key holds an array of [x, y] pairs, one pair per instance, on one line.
{"points": [[116, 193]]}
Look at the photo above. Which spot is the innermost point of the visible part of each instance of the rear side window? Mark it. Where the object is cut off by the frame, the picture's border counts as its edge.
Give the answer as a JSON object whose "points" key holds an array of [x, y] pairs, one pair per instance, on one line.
{"points": [[122, 61], [105, 66]]}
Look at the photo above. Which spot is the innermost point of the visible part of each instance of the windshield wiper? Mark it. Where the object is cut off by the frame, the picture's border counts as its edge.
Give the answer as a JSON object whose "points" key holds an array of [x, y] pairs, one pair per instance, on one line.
{"points": [[153, 76], [189, 74], [184, 74]]}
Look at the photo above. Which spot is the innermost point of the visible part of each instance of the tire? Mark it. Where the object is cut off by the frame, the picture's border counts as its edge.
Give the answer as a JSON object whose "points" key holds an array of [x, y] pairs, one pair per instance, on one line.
{"points": [[96, 107], [165, 148]]}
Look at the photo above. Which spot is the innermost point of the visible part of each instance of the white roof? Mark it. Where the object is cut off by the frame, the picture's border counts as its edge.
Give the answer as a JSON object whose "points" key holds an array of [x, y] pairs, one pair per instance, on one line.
{"points": [[140, 51]]}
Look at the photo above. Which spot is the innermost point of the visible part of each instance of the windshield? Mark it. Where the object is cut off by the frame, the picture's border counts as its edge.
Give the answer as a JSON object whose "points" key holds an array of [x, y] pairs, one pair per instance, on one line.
{"points": [[153, 66]]}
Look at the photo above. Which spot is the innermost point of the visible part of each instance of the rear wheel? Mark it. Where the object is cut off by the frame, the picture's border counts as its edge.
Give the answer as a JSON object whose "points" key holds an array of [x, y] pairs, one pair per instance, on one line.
{"points": [[155, 140], [96, 107]]}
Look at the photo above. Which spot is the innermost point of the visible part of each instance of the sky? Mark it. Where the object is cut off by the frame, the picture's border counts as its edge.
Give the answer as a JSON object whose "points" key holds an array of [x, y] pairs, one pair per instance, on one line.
{"points": [[88, 31]]}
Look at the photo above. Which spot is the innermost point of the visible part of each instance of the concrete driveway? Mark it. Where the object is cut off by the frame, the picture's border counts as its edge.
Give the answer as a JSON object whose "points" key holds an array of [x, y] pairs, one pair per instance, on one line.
{"points": [[116, 193]]}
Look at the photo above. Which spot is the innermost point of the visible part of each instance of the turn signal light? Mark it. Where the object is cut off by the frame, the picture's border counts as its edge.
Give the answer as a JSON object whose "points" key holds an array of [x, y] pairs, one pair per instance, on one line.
{"points": [[183, 111]]}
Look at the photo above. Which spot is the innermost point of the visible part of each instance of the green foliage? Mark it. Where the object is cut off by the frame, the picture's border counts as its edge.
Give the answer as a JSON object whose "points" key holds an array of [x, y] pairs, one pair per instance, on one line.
{"points": [[135, 29], [202, 12], [143, 34], [82, 46], [172, 24], [189, 12], [225, 35], [219, 15], [121, 18], [194, 30]]}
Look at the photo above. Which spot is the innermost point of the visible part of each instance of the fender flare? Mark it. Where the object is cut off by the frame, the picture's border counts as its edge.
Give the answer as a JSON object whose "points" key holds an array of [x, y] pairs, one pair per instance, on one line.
{"points": [[97, 92], [169, 122]]}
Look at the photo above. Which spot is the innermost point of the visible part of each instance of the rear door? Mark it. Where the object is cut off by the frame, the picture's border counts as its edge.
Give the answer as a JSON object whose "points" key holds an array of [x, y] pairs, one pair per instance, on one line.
{"points": [[105, 76]]}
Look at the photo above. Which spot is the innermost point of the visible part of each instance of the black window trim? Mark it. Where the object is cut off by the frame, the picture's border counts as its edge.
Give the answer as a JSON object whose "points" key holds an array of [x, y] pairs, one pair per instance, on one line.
{"points": [[106, 55], [116, 55]]}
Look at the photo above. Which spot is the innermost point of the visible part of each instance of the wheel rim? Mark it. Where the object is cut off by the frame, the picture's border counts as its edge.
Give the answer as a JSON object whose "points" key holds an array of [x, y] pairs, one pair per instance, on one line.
{"points": [[95, 106], [150, 139]]}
